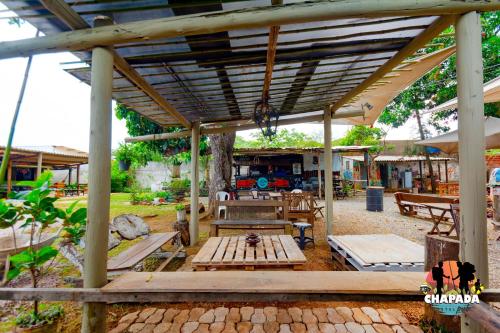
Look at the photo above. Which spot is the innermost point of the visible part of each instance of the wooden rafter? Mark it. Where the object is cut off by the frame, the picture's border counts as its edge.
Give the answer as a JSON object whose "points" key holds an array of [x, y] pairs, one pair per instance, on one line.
{"points": [[240, 127], [74, 21], [188, 25]]}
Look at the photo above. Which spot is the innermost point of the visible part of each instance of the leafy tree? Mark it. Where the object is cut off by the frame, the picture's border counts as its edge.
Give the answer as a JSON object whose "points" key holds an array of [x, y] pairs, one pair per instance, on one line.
{"points": [[360, 135], [37, 213], [138, 125], [283, 139]]}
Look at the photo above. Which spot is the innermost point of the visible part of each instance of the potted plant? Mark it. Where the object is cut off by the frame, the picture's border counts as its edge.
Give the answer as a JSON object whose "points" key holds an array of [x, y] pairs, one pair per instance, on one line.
{"points": [[179, 187], [175, 161], [181, 212], [38, 214], [124, 155], [182, 224]]}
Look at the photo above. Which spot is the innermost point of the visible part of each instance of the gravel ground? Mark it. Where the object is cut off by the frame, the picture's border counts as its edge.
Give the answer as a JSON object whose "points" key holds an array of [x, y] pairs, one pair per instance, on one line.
{"points": [[351, 217]]}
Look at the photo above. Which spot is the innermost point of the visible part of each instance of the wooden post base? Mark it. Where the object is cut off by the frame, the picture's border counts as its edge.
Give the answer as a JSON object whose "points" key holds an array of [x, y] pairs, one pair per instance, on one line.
{"points": [[440, 248], [183, 228]]}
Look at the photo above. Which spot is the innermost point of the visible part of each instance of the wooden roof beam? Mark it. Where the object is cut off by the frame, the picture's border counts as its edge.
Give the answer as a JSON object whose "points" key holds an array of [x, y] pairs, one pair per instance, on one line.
{"points": [[234, 128], [271, 55], [203, 23], [75, 22], [418, 42]]}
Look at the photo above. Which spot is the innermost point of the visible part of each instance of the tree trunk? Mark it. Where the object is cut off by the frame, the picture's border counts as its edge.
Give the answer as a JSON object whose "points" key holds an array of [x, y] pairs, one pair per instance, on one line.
{"points": [[221, 146], [427, 156]]}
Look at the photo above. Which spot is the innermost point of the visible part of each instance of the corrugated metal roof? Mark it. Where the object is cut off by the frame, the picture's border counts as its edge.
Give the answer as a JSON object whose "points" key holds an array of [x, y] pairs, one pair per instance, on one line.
{"points": [[400, 158], [219, 77], [293, 150]]}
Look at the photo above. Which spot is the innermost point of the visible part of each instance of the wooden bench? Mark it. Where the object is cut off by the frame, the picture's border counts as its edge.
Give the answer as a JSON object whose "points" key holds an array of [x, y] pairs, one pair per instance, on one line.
{"points": [[409, 204], [249, 225], [255, 209], [140, 251]]}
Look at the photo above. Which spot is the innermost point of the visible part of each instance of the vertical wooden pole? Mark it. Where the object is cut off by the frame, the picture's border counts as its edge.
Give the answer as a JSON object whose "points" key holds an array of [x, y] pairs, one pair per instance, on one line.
{"points": [[471, 147], [422, 183], [39, 165], [446, 170], [69, 175], [319, 177], [9, 177], [95, 269], [328, 172], [366, 160], [439, 171], [78, 179], [195, 182]]}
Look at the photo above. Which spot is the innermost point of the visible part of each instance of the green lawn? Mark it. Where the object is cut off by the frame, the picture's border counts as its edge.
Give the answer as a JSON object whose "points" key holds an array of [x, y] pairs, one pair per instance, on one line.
{"points": [[120, 204]]}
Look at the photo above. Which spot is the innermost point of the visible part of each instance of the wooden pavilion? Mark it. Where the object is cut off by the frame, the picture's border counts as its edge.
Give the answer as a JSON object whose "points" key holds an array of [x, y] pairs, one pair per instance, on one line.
{"points": [[31, 161], [204, 64]]}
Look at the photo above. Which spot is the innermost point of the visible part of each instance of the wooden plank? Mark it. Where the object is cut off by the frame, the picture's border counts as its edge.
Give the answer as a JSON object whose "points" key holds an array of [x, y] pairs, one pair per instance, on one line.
{"points": [[379, 248], [240, 250], [230, 293], [218, 21], [207, 251], [231, 250], [221, 250], [292, 251], [260, 254], [268, 247], [280, 253], [249, 253], [139, 251]]}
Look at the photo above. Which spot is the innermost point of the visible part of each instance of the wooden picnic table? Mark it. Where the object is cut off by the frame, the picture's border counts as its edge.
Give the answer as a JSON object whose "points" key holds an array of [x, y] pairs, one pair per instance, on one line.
{"points": [[276, 251], [438, 217], [249, 224]]}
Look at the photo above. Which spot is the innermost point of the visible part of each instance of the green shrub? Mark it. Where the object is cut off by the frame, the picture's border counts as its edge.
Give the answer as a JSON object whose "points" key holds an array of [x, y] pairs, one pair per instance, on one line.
{"points": [[180, 184], [180, 207], [47, 315], [119, 179]]}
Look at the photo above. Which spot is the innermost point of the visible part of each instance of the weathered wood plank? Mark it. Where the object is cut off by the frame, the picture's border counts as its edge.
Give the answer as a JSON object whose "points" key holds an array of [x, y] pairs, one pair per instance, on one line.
{"points": [[139, 251], [207, 251], [280, 253], [268, 247], [221, 250], [240, 250], [260, 254], [204, 23], [231, 250], [292, 251]]}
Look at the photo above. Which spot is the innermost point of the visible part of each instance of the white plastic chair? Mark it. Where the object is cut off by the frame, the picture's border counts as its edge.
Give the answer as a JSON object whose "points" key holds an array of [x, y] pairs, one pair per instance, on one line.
{"points": [[297, 190], [222, 196]]}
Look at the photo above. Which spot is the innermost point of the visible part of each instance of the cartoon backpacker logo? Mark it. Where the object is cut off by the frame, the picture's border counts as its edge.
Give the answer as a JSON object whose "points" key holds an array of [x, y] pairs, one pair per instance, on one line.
{"points": [[451, 287]]}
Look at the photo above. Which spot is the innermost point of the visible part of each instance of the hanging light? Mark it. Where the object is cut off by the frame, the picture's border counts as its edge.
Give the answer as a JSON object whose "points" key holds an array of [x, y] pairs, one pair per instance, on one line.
{"points": [[266, 117]]}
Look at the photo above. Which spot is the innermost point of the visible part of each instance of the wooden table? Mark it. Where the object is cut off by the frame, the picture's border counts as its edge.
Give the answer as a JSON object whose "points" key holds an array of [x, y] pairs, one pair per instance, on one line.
{"points": [[276, 251], [442, 209], [249, 224]]}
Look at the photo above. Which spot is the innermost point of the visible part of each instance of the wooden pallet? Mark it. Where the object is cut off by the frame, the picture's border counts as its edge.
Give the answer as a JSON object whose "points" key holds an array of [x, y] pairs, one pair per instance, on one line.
{"points": [[276, 251], [346, 255]]}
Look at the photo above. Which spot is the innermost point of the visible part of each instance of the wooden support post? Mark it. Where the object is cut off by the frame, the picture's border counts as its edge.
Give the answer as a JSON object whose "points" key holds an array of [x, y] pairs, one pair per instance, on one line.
{"points": [[69, 175], [195, 182], [366, 160], [39, 165], [78, 180], [471, 147], [328, 172], [319, 177], [95, 269], [439, 170], [422, 183], [9, 177], [446, 170]]}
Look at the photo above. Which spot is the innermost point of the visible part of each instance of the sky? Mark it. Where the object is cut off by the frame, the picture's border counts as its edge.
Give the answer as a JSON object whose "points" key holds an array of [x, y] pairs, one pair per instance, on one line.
{"points": [[56, 106]]}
